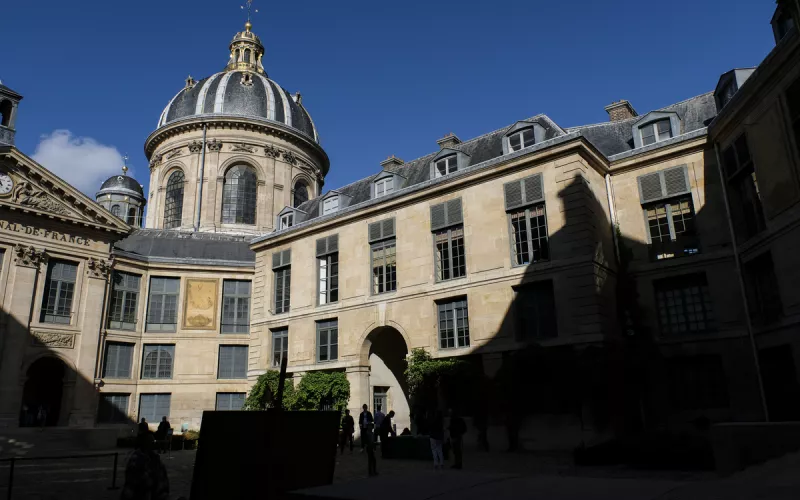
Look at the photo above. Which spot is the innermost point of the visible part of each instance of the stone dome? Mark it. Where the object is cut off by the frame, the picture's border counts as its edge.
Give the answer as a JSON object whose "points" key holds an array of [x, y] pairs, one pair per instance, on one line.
{"points": [[121, 184], [240, 93]]}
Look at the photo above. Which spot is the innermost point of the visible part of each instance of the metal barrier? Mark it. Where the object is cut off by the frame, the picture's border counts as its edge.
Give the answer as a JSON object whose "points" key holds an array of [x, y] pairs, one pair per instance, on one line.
{"points": [[13, 460]]}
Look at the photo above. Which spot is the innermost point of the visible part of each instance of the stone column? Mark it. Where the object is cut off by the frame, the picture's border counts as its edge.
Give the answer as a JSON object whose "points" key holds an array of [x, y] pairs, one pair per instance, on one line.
{"points": [[358, 376], [84, 407], [20, 300]]}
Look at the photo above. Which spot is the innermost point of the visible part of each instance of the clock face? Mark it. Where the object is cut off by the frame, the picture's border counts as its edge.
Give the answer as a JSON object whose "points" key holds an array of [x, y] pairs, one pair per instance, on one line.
{"points": [[6, 183]]}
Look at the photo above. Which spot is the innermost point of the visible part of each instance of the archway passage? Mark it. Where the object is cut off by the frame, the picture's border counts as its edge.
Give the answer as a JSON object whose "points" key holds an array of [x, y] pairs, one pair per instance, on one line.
{"points": [[387, 352], [41, 396]]}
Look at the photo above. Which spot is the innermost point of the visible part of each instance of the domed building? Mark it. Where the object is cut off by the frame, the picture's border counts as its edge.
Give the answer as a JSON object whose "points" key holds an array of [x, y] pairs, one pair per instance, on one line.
{"points": [[124, 197], [253, 144]]}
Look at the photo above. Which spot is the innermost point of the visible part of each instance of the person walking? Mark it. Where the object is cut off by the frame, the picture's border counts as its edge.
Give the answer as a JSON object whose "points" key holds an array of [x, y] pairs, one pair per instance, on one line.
{"points": [[436, 433], [368, 441], [161, 434], [348, 428], [363, 419], [386, 428], [457, 430], [143, 427], [379, 416], [145, 474]]}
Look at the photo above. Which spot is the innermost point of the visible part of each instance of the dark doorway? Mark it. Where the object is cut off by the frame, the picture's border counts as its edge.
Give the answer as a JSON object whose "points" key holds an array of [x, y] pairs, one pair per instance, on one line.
{"points": [[780, 383], [41, 397]]}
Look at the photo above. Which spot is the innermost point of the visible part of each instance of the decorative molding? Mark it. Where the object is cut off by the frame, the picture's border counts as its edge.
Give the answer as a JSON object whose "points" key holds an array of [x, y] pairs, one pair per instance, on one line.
{"points": [[272, 151], [172, 154], [155, 161], [214, 145], [98, 268], [243, 147], [53, 339], [289, 157], [29, 256], [278, 186], [261, 182], [195, 146], [27, 195]]}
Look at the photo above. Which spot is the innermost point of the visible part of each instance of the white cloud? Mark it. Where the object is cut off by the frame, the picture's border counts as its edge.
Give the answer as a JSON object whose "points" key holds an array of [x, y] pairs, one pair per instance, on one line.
{"points": [[81, 161]]}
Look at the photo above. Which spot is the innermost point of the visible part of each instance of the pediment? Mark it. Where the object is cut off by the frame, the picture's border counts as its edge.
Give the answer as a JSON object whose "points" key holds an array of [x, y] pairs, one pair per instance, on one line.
{"points": [[37, 190]]}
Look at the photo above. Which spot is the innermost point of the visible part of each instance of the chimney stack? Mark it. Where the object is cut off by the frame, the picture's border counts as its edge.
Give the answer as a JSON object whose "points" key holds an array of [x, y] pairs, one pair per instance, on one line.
{"points": [[448, 141], [620, 110], [392, 161]]}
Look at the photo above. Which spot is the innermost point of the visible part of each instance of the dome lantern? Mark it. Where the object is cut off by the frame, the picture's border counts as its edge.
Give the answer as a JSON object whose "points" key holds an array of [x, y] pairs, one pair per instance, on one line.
{"points": [[123, 196], [246, 51]]}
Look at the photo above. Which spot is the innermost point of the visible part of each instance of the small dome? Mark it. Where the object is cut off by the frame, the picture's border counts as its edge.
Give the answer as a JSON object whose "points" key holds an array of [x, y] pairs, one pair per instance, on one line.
{"points": [[121, 184]]}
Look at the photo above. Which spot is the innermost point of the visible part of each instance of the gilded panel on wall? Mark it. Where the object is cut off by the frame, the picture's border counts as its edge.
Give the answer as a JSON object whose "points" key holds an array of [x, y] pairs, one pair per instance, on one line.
{"points": [[200, 306]]}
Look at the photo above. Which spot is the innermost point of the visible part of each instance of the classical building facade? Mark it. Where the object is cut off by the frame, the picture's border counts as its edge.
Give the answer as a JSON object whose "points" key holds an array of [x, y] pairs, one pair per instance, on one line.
{"points": [[647, 236]]}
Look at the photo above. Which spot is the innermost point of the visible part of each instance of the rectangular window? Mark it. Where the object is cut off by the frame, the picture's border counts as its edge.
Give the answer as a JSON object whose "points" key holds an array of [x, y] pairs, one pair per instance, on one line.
{"points": [[445, 166], [282, 269], [745, 199], [384, 187], [124, 299], [230, 401], [453, 324], [763, 293], [235, 306], [450, 259], [157, 361], [697, 382], [280, 346], [118, 360], [327, 340], [383, 255], [524, 203], [535, 307], [58, 292], [328, 270], [670, 227], [162, 309], [154, 406], [521, 139], [656, 132], [684, 305], [113, 408], [330, 205], [287, 221], [232, 362]]}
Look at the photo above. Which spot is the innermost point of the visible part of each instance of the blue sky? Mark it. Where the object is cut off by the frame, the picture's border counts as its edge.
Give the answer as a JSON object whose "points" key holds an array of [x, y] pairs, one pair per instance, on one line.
{"points": [[378, 78]]}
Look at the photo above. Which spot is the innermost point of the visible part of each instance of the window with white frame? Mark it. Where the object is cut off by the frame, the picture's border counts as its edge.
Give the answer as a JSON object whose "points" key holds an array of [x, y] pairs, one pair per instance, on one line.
{"points": [[157, 361], [327, 340], [330, 205], [453, 323], [445, 166], [124, 300], [235, 306], [656, 131], [280, 346], [59, 291], [328, 269], [521, 139], [384, 186], [287, 221]]}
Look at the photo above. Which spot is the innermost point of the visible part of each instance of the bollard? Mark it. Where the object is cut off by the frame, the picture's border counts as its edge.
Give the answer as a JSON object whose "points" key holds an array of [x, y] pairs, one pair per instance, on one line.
{"points": [[10, 478], [114, 473]]}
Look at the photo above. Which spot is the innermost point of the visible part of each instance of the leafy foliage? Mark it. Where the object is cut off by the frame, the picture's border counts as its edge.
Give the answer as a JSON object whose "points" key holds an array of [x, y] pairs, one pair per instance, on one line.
{"points": [[430, 380], [265, 390], [318, 390]]}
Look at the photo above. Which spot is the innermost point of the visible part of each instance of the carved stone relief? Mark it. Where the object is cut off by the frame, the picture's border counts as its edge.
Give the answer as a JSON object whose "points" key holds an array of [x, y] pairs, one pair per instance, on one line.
{"points": [[29, 256], [155, 161], [53, 339], [172, 154], [98, 268], [243, 147], [26, 194], [272, 151], [214, 145], [195, 146]]}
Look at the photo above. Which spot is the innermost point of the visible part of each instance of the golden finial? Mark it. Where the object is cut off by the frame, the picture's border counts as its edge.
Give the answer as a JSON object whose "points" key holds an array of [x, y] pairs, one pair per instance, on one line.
{"points": [[124, 165], [249, 25]]}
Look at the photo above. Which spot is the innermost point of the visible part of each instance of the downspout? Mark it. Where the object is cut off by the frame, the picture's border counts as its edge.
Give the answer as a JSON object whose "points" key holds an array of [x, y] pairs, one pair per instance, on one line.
{"points": [[742, 289], [200, 182], [103, 320], [613, 214]]}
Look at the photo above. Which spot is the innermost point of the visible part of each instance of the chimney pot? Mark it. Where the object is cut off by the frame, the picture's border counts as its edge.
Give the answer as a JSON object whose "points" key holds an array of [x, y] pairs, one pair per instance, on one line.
{"points": [[448, 141], [392, 161]]}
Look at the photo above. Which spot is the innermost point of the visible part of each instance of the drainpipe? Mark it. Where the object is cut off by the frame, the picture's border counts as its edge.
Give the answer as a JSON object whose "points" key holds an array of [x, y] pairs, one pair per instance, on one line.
{"points": [[200, 182], [613, 214], [742, 289]]}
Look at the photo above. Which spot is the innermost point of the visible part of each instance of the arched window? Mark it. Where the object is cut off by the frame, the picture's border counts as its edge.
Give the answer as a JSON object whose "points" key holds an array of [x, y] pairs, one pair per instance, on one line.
{"points": [[236, 56], [5, 113], [173, 204], [239, 196], [131, 216], [247, 55], [115, 210], [158, 361], [300, 193]]}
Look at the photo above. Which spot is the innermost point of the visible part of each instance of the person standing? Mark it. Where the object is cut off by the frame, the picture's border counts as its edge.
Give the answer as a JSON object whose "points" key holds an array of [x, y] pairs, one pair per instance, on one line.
{"points": [[436, 433], [386, 428], [379, 416], [364, 419], [143, 427], [161, 434], [145, 474], [457, 430], [348, 428], [368, 441]]}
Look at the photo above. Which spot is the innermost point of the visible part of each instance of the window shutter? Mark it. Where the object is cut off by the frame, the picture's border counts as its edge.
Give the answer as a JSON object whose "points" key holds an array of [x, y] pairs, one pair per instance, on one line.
{"points": [[333, 243], [524, 191], [322, 246], [533, 188], [513, 193], [676, 180], [282, 258], [329, 244], [454, 215], [381, 230], [438, 219], [276, 259], [388, 228], [650, 187]]}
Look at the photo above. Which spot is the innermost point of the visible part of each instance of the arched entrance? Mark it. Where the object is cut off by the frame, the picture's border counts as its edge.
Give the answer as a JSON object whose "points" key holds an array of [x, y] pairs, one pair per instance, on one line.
{"points": [[42, 393], [386, 350]]}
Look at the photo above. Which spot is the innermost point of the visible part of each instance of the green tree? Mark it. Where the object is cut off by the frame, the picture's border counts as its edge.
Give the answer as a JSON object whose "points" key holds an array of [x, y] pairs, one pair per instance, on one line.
{"points": [[317, 390], [265, 390], [432, 380]]}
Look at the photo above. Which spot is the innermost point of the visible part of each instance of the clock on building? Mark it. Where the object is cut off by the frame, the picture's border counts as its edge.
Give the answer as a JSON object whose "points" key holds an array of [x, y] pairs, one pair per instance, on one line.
{"points": [[6, 183]]}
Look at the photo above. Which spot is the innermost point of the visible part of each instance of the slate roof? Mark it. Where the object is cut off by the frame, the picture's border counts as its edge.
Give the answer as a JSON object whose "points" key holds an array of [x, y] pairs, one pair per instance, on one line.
{"points": [[121, 182], [154, 245]]}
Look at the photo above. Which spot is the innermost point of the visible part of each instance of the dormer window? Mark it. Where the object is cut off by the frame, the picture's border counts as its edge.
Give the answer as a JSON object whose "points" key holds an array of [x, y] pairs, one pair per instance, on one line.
{"points": [[660, 130], [445, 166], [782, 24], [384, 186], [287, 221], [330, 205], [521, 139]]}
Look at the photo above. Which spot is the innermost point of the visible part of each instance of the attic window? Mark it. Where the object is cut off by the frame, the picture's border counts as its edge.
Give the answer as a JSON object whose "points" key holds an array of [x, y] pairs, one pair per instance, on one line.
{"points": [[782, 24], [521, 139], [330, 205], [446, 165], [726, 93], [657, 131], [287, 221], [383, 187]]}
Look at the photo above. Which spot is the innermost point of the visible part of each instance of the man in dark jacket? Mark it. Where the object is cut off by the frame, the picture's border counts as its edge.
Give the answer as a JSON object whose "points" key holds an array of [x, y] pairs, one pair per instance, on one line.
{"points": [[364, 419], [457, 430], [161, 434], [143, 427], [386, 427], [348, 428]]}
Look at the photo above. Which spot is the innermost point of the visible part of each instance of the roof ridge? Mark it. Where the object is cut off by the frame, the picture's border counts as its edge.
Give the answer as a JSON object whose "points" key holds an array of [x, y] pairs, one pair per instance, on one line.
{"points": [[685, 100]]}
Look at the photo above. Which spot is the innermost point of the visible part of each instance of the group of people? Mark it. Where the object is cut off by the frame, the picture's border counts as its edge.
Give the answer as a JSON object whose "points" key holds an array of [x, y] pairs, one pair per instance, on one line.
{"points": [[145, 474], [161, 435]]}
